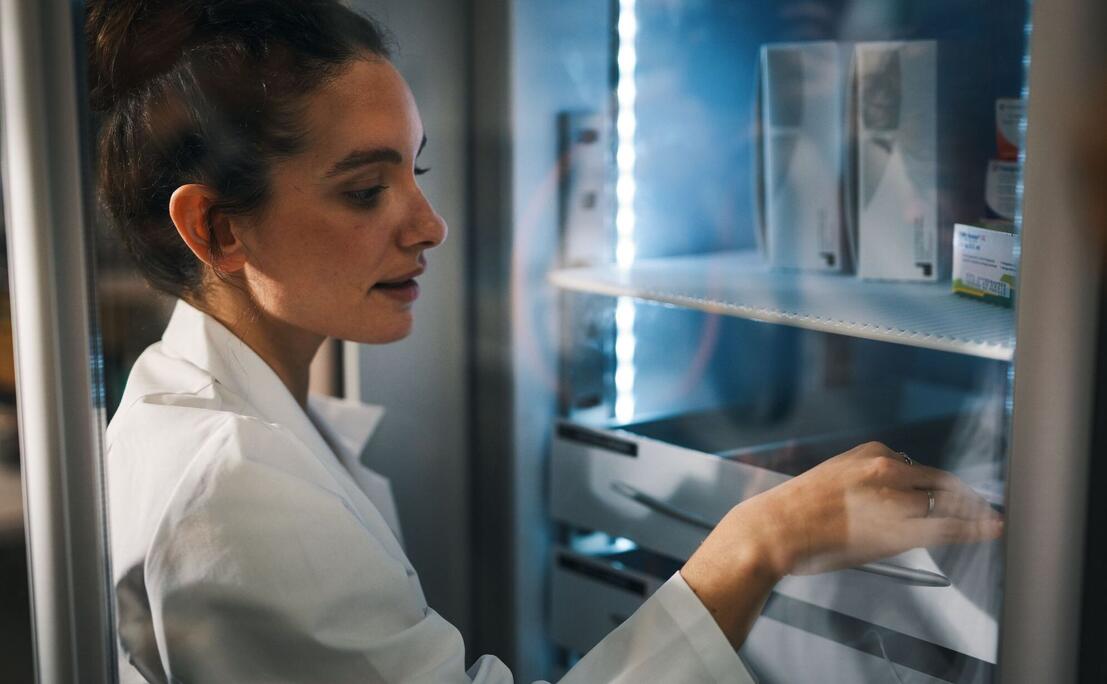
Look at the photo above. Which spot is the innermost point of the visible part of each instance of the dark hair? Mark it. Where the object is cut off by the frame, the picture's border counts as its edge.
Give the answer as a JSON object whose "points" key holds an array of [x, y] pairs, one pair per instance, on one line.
{"points": [[212, 92]]}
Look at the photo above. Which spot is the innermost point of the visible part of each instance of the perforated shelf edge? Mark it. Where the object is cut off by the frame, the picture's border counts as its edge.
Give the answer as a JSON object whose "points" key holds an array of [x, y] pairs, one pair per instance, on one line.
{"points": [[739, 284]]}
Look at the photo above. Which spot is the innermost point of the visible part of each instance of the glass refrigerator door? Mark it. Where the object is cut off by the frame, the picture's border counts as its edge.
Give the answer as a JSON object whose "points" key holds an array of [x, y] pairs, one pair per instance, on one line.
{"points": [[60, 396], [784, 229]]}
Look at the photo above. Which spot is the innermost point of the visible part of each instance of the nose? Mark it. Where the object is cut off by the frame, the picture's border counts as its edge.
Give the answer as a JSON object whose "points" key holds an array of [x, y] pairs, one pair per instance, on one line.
{"points": [[426, 229]]}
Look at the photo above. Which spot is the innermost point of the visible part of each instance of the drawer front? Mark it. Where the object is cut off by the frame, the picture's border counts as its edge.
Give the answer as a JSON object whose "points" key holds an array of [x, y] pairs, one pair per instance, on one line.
{"points": [[589, 598], [778, 653], [596, 474], [665, 498], [794, 642]]}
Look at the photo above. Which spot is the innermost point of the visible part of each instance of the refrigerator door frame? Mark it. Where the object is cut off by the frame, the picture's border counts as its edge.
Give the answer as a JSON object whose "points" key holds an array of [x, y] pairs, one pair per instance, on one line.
{"points": [[503, 589], [1093, 621], [1054, 361], [49, 265]]}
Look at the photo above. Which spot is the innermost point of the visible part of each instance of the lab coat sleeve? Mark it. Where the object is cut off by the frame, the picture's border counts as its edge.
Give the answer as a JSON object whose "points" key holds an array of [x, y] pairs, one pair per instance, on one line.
{"points": [[670, 638], [256, 574]]}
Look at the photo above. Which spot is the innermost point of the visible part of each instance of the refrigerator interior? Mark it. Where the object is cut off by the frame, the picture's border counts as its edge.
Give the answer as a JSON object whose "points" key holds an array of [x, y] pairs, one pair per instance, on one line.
{"points": [[672, 331]]}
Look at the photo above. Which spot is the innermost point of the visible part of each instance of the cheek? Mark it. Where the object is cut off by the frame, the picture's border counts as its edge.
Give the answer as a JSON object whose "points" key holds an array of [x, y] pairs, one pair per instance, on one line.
{"points": [[324, 255], [316, 270], [358, 256]]}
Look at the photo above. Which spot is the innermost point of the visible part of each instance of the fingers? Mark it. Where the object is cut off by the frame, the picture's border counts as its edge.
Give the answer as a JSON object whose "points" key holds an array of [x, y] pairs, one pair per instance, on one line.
{"points": [[925, 477], [892, 469], [895, 470], [945, 531], [948, 504]]}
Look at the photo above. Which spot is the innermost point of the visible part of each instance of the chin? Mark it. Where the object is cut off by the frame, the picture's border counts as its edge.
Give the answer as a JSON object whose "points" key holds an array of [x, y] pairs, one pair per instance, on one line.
{"points": [[383, 333]]}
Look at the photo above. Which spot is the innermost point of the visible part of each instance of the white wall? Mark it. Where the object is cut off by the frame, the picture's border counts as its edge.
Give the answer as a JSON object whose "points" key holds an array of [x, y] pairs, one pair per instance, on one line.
{"points": [[422, 443]]}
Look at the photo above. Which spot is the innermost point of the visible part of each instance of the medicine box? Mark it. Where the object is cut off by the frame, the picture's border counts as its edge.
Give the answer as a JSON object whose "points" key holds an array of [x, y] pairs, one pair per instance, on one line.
{"points": [[984, 263], [802, 95], [896, 122]]}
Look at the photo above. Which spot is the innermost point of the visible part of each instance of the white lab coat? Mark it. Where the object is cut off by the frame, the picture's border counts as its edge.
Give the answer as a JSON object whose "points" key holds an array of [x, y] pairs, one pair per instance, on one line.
{"points": [[249, 544]]}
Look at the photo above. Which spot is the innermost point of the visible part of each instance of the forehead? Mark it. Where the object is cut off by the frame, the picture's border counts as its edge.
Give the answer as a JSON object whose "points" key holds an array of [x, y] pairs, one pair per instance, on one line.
{"points": [[367, 105]]}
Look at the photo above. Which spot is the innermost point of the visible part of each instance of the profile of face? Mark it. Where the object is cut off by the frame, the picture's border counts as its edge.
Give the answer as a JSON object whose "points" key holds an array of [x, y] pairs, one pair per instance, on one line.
{"points": [[337, 246]]}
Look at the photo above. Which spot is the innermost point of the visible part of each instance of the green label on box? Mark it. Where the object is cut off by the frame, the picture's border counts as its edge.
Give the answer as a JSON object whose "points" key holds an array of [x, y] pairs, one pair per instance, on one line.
{"points": [[984, 264]]}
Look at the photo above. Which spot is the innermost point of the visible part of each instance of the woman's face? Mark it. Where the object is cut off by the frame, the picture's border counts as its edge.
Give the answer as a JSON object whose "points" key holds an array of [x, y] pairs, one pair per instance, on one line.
{"points": [[339, 244]]}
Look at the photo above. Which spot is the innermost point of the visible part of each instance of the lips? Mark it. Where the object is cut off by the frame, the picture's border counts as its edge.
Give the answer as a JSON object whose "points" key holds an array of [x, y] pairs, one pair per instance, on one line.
{"points": [[405, 279], [392, 285], [403, 289]]}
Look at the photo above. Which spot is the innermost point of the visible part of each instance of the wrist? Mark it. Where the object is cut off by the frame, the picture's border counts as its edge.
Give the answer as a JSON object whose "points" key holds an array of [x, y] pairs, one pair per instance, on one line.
{"points": [[763, 543], [733, 572]]}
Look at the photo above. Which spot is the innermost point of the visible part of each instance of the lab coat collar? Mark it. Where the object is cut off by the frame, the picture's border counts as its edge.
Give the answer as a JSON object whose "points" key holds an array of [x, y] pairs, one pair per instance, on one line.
{"points": [[204, 342], [347, 426]]}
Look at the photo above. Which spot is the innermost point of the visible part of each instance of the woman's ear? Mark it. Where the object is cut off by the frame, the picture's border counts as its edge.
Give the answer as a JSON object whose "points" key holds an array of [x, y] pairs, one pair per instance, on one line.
{"points": [[190, 209]]}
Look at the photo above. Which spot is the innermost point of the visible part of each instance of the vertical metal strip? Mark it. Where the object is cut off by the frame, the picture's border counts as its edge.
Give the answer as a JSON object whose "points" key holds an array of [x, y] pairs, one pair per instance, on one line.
{"points": [[1093, 623], [49, 284], [492, 425], [1054, 361]]}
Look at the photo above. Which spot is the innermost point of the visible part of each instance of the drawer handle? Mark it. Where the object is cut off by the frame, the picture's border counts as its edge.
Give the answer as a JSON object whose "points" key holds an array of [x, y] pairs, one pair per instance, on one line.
{"points": [[659, 506], [923, 578]]}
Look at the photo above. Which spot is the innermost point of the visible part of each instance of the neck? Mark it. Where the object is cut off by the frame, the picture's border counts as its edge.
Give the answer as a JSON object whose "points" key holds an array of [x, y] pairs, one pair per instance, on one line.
{"points": [[288, 350]]}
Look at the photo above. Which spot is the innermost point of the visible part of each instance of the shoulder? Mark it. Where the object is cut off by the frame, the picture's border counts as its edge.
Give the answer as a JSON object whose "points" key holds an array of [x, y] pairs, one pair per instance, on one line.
{"points": [[174, 416], [164, 449], [181, 443], [174, 413], [164, 388]]}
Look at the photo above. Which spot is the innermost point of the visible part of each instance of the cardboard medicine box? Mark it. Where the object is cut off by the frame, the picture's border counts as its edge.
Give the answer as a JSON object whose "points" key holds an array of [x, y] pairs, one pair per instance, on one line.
{"points": [[802, 96], [895, 121], [984, 263]]}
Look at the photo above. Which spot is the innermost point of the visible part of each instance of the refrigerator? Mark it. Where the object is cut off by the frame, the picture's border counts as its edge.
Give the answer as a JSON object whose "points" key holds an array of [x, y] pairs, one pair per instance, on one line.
{"points": [[709, 244], [728, 254]]}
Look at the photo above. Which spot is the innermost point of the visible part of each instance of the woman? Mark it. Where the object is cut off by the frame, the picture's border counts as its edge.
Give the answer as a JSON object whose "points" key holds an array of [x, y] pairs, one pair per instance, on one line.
{"points": [[259, 159]]}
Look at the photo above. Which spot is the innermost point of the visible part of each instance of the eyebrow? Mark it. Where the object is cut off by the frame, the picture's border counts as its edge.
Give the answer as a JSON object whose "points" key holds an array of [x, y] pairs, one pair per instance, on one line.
{"points": [[359, 158]]}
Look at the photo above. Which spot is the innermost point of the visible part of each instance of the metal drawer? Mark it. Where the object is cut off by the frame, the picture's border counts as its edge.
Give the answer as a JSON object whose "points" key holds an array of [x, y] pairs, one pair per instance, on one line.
{"points": [[589, 597], [793, 642], [662, 497], [778, 652]]}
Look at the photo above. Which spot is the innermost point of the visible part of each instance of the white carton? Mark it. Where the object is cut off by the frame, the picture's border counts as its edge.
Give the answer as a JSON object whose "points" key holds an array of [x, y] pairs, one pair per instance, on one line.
{"points": [[802, 110], [896, 118]]}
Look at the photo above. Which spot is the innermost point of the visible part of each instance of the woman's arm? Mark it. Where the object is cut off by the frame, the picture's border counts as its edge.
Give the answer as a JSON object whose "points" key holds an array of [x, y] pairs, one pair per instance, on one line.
{"points": [[865, 504]]}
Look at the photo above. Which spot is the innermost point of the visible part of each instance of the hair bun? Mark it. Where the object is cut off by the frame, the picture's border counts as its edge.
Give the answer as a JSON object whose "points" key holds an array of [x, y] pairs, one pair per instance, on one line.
{"points": [[131, 42]]}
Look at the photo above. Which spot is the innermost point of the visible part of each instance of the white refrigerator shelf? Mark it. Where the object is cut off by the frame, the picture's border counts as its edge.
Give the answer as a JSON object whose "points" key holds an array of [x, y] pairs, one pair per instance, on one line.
{"points": [[740, 284]]}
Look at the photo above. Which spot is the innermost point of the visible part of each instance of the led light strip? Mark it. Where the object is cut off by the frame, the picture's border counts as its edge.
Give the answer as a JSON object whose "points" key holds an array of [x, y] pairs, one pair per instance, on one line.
{"points": [[1024, 94], [625, 218]]}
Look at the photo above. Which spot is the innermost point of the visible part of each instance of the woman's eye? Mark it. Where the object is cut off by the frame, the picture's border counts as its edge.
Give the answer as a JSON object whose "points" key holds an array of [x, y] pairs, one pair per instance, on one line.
{"points": [[367, 197], [420, 171]]}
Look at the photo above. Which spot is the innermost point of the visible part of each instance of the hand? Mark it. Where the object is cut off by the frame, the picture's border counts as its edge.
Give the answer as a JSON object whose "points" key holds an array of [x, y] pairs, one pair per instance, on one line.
{"points": [[865, 504]]}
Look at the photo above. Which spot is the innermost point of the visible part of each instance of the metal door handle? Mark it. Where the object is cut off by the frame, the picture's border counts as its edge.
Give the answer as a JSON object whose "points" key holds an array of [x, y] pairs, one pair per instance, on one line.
{"points": [[922, 578], [659, 506]]}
